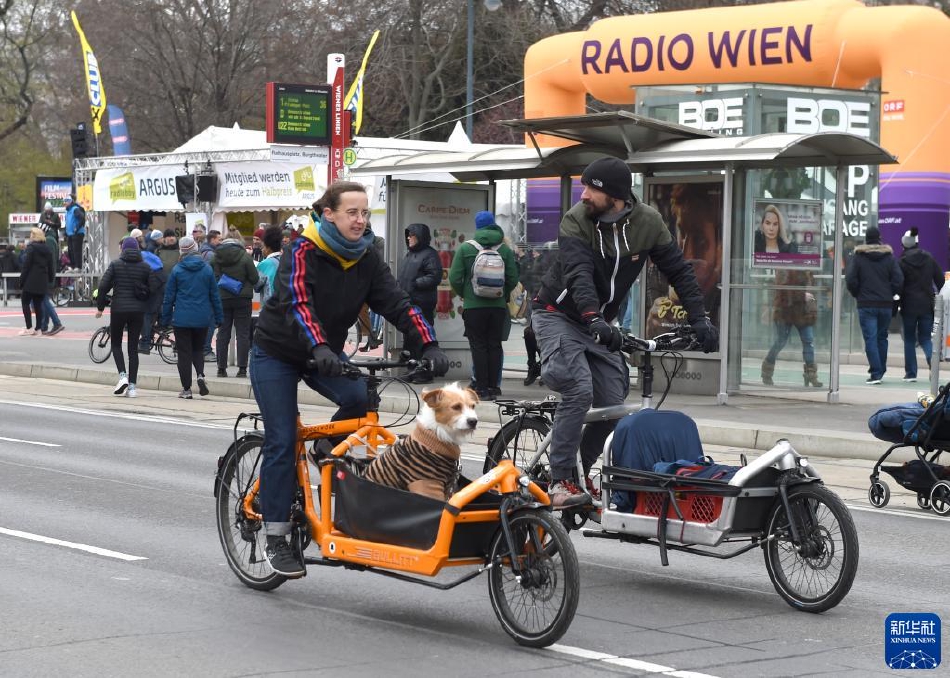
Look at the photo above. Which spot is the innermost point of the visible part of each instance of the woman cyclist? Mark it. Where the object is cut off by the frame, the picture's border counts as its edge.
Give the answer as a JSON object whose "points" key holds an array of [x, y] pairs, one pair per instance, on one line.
{"points": [[323, 279]]}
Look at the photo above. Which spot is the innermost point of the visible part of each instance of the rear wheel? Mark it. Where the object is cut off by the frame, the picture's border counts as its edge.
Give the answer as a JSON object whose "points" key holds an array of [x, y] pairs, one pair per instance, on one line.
{"points": [[62, 296], [536, 605], [815, 574], [166, 346], [520, 444], [100, 345], [940, 497], [242, 538]]}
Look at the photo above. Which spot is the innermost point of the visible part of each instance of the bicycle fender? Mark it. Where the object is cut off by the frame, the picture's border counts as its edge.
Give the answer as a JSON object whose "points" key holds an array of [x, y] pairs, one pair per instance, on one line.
{"points": [[222, 460]]}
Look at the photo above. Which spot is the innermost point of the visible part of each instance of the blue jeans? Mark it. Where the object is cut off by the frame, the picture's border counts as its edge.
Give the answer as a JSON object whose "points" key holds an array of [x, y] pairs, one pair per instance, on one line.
{"points": [[49, 312], [275, 388], [782, 332], [917, 331], [874, 322]]}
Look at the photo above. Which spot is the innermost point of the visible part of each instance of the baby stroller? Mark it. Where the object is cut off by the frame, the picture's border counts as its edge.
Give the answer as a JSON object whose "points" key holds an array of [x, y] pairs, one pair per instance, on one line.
{"points": [[927, 430]]}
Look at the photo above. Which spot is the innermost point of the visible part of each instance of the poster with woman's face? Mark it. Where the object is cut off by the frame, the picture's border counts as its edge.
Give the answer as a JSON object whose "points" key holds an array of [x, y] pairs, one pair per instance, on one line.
{"points": [[787, 234], [693, 213]]}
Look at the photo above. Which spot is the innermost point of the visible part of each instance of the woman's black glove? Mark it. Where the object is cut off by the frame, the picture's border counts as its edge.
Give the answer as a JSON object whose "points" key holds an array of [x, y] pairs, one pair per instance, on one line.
{"points": [[604, 333], [325, 361], [437, 359], [707, 334]]}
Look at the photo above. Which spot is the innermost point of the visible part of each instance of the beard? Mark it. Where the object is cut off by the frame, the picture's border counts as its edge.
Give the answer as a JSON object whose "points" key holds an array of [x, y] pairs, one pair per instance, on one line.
{"points": [[594, 211]]}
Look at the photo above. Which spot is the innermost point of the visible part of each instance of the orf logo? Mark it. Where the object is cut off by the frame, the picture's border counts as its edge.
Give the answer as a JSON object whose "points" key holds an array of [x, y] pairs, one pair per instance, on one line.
{"points": [[95, 92]]}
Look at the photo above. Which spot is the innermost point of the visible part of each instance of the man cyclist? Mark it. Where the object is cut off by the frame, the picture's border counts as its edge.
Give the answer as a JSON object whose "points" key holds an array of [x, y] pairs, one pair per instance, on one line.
{"points": [[603, 242], [323, 279]]}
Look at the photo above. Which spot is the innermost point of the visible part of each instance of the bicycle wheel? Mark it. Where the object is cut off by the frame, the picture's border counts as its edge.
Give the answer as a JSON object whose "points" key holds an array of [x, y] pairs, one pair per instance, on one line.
{"points": [[242, 538], [62, 296], [537, 605], [100, 345], [816, 574], [353, 339], [165, 341], [520, 443]]}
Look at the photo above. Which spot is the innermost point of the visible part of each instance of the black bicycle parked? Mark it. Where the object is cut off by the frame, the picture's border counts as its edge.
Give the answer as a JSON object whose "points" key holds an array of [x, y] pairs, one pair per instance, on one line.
{"points": [[162, 339]]}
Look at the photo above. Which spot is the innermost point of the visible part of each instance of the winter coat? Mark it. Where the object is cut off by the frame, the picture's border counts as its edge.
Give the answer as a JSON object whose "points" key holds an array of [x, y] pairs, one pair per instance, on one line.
{"points": [[873, 276], [597, 263], [170, 257], [421, 270], [267, 269], [922, 275], [191, 295], [158, 281], [795, 307], [51, 220], [232, 259], [206, 251], [460, 273], [37, 271], [75, 225], [124, 277], [52, 241], [316, 301]]}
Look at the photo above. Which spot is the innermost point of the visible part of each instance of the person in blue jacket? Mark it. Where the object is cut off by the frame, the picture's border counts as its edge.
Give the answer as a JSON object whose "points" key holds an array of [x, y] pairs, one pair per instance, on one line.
{"points": [[75, 230], [191, 300], [153, 309]]}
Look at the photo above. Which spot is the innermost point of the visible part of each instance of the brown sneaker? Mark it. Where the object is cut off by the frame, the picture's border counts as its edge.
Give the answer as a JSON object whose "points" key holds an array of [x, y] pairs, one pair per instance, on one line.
{"points": [[566, 494]]}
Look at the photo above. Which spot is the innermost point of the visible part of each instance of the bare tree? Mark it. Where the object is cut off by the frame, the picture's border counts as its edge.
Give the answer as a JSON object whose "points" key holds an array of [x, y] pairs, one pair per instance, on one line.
{"points": [[23, 26]]}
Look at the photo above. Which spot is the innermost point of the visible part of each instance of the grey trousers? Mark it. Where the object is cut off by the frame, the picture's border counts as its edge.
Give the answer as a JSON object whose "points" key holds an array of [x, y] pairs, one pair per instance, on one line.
{"points": [[586, 375]]}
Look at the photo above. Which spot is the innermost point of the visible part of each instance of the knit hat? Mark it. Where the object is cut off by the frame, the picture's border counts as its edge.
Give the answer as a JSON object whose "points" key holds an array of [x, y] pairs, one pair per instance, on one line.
{"points": [[170, 233], [910, 238], [872, 236], [483, 219], [259, 233], [135, 233], [187, 245], [68, 199], [155, 235], [610, 175], [47, 205], [130, 243]]}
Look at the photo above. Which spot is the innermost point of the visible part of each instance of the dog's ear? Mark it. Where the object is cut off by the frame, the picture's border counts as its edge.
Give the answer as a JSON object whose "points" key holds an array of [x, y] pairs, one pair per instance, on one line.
{"points": [[473, 394], [431, 398]]}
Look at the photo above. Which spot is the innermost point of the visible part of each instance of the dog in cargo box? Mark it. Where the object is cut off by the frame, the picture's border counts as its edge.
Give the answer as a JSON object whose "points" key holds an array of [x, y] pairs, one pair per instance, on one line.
{"points": [[427, 460]]}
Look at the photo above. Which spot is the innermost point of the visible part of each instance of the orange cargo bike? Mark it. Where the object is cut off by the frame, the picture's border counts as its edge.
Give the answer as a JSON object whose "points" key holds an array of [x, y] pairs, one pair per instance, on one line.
{"points": [[500, 523]]}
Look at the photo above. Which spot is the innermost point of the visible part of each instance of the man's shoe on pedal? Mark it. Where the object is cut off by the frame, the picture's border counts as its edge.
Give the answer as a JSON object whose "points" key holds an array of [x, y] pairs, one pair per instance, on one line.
{"points": [[566, 494], [282, 559]]}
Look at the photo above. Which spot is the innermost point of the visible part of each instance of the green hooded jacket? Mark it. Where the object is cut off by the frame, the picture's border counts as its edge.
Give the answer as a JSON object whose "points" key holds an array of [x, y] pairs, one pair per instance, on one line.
{"points": [[460, 273]]}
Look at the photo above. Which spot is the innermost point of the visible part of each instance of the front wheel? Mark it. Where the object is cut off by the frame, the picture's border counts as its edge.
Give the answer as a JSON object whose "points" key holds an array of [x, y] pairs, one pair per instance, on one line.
{"points": [[242, 538], [815, 574], [536, 605], [166, 346], [100, 346]]}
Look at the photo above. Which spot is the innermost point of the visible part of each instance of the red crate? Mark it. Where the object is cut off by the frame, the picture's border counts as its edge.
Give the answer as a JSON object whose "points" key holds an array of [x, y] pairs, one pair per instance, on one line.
{"points": [[696, 508]]}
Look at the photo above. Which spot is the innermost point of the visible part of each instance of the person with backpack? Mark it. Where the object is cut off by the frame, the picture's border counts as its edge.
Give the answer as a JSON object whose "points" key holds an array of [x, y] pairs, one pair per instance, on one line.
{"points": [[237, 278], [483, 274], [75, 231]]}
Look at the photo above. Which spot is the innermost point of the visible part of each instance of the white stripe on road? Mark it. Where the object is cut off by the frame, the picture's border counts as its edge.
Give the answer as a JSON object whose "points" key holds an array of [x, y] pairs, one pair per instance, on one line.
{"points": [[903, 513], [626, 662], [69, 544], [29, 442], [117, 415]]}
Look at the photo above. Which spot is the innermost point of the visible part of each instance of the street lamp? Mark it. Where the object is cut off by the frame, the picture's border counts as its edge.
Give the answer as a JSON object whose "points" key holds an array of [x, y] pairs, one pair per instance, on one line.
{"points": [[491, 6]]}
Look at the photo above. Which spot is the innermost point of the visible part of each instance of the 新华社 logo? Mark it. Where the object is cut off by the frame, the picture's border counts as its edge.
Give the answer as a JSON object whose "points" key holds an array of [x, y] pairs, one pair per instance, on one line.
{"points": [[912, 640]]}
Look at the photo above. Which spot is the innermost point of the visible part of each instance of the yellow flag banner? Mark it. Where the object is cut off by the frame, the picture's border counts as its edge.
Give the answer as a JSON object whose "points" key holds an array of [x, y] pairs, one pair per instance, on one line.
{"points": [[97, 91], [353, 100]]}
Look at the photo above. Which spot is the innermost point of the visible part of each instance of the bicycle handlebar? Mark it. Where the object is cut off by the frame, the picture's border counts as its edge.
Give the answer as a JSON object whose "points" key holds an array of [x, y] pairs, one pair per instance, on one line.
{"points": [[358, 368], [683, 338]]}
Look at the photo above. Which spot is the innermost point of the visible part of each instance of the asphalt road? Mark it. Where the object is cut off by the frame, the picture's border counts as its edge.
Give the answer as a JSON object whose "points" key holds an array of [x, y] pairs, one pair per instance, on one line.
{"points": [[103, 476]]}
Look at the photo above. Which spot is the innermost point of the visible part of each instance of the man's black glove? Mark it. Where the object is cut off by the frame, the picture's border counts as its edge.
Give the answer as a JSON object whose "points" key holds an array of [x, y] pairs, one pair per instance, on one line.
{"points": [[437, 359], [604, 333], [326, 362], [707, 334]]}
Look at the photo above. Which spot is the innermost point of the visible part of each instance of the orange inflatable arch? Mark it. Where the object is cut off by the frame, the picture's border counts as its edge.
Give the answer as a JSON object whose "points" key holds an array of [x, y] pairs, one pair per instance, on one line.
{"points": [[827, 43]]}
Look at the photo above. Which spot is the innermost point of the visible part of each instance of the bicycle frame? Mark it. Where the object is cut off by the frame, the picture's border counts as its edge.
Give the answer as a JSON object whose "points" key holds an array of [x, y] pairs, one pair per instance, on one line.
{"points": [[335, 546]]}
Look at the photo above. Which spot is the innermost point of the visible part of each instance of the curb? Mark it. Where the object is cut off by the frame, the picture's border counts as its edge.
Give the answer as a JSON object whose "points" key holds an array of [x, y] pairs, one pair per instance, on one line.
{"points": [[818, 442]]}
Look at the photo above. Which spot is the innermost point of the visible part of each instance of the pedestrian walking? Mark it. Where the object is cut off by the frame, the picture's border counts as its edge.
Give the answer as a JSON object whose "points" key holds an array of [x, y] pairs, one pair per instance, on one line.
{"points": [[267, 268], [49, 310], [37, 271], [131, 282], [474, 278], [153, 309], [191, 298], [420, 273], [922, 278], [798, 309], [206, 249], [237, 277], [874, 279]]}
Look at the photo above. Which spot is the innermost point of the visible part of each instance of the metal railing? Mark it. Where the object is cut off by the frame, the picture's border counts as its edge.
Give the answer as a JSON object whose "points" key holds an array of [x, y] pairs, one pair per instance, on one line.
{"points": [[81, 285]]}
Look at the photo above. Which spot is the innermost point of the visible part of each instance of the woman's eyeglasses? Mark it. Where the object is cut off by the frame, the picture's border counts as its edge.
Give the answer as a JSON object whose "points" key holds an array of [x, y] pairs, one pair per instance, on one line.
{"points": [[353, 213]]}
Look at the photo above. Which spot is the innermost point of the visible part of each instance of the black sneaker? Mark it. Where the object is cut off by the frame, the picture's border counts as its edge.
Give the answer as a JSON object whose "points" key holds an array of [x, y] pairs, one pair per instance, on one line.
{"points": [[202, 386], [534, 371], [241, 373], [222, 373], [282, 559]]}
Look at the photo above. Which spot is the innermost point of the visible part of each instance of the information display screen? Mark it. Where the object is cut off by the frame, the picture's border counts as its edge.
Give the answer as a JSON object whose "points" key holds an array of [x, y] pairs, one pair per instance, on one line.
{"points": [[298, 114]]}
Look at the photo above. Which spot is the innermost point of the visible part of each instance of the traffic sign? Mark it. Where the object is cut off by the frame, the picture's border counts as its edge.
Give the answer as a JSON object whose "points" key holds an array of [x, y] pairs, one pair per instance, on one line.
{"points": [[349, 156]]}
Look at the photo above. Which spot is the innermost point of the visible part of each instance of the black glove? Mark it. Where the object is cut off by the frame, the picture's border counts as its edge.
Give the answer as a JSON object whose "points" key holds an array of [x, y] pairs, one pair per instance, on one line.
{"points": [[605, 333], [707, 334], [327, 363], [437, 358]]}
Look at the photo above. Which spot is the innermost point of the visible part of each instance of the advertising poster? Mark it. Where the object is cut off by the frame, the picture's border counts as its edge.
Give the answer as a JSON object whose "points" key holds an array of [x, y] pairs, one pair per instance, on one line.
{"points": [[787, 234], [53, 189], [692, 211], [449, 212]]}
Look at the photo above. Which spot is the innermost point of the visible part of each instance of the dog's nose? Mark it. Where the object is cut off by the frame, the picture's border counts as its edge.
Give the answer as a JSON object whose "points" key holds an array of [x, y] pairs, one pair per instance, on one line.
{"points": [[472, 422]]}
